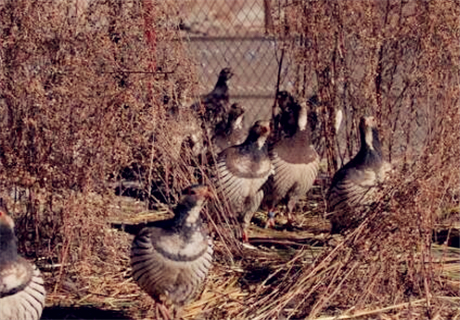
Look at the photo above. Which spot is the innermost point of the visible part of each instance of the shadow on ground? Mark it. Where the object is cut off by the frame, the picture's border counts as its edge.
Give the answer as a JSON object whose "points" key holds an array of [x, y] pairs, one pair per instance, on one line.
{"points": [[81, 313]]}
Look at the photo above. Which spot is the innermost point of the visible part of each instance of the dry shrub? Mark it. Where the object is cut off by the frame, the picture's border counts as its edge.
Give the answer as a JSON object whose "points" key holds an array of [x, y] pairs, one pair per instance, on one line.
{"points": [[82, 97], [398, 61], [83, 87]]}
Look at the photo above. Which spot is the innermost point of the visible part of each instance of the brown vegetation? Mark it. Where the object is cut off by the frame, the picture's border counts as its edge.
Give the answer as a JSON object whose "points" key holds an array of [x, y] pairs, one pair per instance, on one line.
{"points": [[82, 87]]}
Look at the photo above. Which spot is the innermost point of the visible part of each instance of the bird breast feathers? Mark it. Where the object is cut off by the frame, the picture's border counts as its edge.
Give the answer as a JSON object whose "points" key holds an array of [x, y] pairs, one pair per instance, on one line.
{"points": [[14, 276], [247, 167], [179, 249]]}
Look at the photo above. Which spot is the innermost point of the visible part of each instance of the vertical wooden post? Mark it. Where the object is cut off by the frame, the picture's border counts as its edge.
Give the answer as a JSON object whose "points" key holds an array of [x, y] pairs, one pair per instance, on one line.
{"points": [[268, 16]]}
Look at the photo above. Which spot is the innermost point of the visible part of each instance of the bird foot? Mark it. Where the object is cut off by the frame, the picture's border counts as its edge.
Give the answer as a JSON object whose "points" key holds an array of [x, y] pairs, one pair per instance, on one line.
{"points": [[245, 237], [160, 308]]}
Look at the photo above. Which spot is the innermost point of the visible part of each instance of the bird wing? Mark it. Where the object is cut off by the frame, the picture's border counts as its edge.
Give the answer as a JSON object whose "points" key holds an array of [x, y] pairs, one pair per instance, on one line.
{"points": [[354, 189]]}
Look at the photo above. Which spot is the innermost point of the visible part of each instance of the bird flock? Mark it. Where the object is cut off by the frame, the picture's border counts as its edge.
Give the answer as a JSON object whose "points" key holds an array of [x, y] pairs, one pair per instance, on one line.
{"points": [[275, 162]]}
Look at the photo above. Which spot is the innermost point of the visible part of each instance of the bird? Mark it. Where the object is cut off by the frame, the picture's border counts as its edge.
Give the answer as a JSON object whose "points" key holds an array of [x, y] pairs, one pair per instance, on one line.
{"points": [[284, 115], [170, 259], [214, 106], [295, 164], [230, 131], [242, 170], [22, 291], [355, 184], [283, 120]]}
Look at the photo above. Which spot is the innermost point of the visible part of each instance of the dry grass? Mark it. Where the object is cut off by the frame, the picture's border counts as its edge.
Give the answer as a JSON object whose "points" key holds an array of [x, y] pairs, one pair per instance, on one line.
{"points": [[82, 88]]}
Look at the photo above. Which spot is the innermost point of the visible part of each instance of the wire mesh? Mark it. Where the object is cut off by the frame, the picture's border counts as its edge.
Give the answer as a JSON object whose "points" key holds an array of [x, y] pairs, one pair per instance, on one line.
{"points": [[239, 35], [357, 74]]}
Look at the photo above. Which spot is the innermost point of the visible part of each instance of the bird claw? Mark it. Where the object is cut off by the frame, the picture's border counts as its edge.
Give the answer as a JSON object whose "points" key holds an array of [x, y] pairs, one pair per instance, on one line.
{"points": [[245, 237]]}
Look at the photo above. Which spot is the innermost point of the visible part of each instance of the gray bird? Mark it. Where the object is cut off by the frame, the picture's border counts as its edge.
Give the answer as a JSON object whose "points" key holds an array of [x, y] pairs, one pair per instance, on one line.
{"points": [[230, 131], [242, 170], [354, 185], [170, 259], [295, 164], [22, 294], [214, 106]]}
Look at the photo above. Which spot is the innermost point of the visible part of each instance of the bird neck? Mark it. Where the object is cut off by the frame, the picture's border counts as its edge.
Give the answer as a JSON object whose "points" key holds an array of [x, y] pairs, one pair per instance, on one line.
{"points": [[221, 85], [302, 119], [254, 140], [238, 123], [8, 245], [187, 213], [371, 150]]}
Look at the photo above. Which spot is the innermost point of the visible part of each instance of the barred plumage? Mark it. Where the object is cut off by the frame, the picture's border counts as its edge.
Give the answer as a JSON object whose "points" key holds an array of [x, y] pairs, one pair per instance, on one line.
{"points": [[22, 294], [295, 164], [241, 172], [170, 259], [354, 185]]}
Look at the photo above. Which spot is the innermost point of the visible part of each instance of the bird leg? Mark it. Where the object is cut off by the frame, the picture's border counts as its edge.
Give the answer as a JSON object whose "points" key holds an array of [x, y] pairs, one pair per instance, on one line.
{"points": [[177, 312], [271, 219], [290, 206], [245, 225], [160, 308], [245, 237]]}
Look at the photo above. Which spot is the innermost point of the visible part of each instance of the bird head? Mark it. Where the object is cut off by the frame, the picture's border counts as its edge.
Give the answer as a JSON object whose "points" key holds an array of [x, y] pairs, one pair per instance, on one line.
{"points": [[197, 192], [261, 128], [237, 110], [193, 198], [235, 116], [225, 74], [260, 132], [283, 98], [369, 133]]}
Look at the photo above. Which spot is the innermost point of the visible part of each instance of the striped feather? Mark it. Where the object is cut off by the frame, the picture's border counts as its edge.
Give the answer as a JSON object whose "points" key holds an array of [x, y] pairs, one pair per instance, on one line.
{"points": [[242, 193], [292, 180], [28, 303], [172, 276], [356, 189]]}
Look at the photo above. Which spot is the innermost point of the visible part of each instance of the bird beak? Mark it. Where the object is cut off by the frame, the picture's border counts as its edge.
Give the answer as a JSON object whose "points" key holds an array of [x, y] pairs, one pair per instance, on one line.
{"points": [[265, 128], [205, 192], [370, 122]]}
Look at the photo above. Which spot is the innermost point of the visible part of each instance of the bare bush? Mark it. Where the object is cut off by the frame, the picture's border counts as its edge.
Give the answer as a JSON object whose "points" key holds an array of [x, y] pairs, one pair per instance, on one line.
{"points": [[88, 88]]}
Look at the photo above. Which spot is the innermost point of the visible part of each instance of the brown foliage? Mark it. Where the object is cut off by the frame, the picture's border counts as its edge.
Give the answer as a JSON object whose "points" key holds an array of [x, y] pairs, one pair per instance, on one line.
{"points": [[82, 87]]}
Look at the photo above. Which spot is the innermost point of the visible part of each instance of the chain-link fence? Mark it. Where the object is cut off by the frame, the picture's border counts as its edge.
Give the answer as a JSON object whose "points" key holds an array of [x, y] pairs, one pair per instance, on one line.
{"points": [[236, 34], [325, 52]]}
